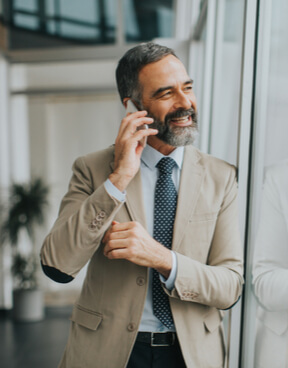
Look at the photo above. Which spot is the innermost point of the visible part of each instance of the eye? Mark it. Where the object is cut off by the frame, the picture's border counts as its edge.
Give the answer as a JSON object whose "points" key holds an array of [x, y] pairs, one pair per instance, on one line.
{"points": [[188, 88], [166, 94]]}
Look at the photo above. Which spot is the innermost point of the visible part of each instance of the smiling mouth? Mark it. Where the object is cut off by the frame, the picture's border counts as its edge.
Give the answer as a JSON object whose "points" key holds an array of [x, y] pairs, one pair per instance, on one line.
{"points": [[183, 121]]}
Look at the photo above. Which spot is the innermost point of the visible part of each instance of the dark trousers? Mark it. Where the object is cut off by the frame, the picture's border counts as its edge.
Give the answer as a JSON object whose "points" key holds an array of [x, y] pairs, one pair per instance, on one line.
{"points": [[145, 356]]}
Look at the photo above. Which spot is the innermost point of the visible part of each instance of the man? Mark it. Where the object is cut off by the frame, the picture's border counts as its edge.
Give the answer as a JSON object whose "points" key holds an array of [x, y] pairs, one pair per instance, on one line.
{"points": [[143, 304]]}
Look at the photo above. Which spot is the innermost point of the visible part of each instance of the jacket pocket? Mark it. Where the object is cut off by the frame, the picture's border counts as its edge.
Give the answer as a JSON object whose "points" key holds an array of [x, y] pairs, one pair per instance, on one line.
{"points": [[86, 318], [213, 346], [213, 321]]}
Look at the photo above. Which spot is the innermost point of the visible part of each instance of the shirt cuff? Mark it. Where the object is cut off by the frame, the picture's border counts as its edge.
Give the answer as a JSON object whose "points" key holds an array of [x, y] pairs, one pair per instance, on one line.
{"points": [[114, 192], [170, 282]]}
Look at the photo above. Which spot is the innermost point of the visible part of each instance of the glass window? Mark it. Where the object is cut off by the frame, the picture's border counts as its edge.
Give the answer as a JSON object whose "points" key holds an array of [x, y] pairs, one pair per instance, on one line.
{"points": [[266, 336], [50, 7], [28, 5], [227, 80], [86, 11], [88, 21], [26, 21], [92, 21], [145, 20], [76, 31]]}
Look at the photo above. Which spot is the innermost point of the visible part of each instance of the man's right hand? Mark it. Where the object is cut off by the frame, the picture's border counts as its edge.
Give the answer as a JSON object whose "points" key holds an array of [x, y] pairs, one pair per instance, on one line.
{"points": [[128, 149]]}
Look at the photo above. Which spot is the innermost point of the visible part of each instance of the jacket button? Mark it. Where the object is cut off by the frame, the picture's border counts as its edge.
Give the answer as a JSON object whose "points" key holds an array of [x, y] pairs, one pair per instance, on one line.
{"points": [[102, 214], [140, 281], [131, 327], [94, 222]]}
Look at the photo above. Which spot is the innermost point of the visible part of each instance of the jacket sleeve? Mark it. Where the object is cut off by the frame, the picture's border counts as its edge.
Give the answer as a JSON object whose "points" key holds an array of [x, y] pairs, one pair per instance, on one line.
{"points": [[270, 267], [84, 216], [218, 282]]}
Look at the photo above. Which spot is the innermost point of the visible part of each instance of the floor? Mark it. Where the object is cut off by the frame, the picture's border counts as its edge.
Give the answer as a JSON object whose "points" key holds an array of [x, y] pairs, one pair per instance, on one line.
{"points": [[34, 344]]}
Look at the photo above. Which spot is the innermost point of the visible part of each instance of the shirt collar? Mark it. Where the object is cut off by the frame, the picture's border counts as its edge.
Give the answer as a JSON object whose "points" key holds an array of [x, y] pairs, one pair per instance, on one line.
{"points": [[150, 156]]}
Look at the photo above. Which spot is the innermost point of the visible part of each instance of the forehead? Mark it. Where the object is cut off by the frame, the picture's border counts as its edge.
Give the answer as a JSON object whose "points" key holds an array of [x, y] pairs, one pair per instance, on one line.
{"points": [[168, 71]]}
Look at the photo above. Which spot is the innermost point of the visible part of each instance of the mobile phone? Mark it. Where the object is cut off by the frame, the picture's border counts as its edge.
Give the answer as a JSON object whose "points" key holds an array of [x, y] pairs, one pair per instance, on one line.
{"points": [[132, 108]]}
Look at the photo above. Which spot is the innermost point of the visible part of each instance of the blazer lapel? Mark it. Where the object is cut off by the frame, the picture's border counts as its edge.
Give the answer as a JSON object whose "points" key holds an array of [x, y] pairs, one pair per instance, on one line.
{"points": [[190, 183], [134, 199]]}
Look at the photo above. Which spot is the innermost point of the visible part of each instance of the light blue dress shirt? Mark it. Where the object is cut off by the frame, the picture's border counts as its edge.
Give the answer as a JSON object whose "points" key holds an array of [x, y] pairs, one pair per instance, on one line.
{"points": [[149, 174]]}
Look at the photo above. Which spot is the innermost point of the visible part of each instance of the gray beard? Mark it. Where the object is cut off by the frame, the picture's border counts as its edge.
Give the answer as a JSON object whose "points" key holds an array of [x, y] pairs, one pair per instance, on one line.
{"points": [[176, 136]]}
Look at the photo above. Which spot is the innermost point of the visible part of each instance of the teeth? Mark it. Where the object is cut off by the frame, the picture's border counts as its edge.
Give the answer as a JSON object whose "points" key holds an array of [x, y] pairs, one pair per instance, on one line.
{"points": [[182, 119]]}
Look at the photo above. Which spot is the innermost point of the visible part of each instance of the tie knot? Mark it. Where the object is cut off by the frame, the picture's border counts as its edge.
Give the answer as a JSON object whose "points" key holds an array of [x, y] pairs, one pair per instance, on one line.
{"points": [[165, 165]]}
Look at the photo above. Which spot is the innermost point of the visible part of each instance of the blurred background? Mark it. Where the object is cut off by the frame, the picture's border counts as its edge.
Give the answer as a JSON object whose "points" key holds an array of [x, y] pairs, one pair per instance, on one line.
{"points": [[58, 100]]}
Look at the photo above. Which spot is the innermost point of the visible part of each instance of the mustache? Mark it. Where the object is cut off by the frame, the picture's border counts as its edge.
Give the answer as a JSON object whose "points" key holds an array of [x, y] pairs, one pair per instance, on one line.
{"points": [[181, 113]]}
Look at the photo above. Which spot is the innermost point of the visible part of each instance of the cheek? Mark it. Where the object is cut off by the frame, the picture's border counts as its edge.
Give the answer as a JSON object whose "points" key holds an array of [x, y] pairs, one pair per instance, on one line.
{"points": [[160, 111]]}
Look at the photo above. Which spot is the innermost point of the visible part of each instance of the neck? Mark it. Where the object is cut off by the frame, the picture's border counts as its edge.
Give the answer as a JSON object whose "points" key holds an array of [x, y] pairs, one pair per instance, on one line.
{"points": [[160, 146]]}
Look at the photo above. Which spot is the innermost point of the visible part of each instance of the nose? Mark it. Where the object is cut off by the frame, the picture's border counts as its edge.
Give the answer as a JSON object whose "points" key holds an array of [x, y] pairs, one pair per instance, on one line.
{"points": [[183, 101]]}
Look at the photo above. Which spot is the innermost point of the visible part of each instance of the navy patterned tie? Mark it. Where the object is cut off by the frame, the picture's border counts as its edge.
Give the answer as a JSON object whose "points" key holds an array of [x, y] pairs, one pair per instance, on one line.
{"points": [[164, 214]]}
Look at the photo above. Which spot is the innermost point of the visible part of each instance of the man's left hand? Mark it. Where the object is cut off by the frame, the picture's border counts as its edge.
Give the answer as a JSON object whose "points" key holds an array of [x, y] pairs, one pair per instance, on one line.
{"points": [[130, 241]]}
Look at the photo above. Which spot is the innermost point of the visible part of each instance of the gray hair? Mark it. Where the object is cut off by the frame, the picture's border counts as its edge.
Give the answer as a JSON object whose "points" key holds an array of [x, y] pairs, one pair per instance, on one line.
{"points": [[132, 62]]}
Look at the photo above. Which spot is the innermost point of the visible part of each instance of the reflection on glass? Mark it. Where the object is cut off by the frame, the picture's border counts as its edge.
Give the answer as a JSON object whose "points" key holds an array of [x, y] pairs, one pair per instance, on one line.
{"points": [[94, 21], [227, 79], [90, 11], [270, 271], [270, 264], [90, 21], [25, 4], [145, 20], [26, 21]]}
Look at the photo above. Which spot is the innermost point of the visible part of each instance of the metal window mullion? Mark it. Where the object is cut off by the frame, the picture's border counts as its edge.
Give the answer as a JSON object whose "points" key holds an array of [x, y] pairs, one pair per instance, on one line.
{"points": [[218, 47], [254, 171], [205, 107], [120, 30], [42, 15], [57, 14]]}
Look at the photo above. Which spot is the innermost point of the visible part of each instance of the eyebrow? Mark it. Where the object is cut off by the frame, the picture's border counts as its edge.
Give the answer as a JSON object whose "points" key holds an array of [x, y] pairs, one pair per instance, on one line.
{"points": [[163, 89]]}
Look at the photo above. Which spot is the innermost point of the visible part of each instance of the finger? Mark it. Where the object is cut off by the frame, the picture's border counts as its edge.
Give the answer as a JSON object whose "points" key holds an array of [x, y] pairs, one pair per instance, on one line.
{"points": [[144, 133], [124, 226], [128, 128], [130, 117], [137, 113], [117, 254], [119, 226], [112, 245], [108, 232], [123, 234]]}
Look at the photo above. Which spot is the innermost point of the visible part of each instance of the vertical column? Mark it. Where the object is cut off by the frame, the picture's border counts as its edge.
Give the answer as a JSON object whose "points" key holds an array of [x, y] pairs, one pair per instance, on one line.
{"points": [[20, 150], [5, 252], [206, 98]]}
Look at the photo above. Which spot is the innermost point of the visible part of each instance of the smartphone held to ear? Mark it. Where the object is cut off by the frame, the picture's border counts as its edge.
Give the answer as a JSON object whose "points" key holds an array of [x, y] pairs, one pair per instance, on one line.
{"points": [[130, 108]]}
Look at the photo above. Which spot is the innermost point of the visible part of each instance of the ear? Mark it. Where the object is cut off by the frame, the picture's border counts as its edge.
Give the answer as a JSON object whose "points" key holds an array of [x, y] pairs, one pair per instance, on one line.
{"points": [[125, 100]]}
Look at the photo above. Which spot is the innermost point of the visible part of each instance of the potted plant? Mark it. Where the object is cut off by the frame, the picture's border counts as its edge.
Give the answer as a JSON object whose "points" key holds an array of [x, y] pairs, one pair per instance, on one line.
{"points": [[25, 211]]}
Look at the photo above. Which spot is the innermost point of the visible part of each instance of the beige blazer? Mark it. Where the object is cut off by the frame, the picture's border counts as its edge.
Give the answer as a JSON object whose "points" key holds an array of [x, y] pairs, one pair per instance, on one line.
{"points": [[206, 240]]}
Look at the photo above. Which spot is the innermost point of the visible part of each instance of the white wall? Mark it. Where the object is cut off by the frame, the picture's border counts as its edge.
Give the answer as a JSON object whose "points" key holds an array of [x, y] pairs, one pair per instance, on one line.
{"points": [[61, 129], [55, 112]]}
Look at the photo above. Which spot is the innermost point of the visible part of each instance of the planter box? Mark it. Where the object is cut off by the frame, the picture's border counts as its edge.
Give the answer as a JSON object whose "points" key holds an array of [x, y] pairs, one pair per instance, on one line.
{"points": [[28, 305]]}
